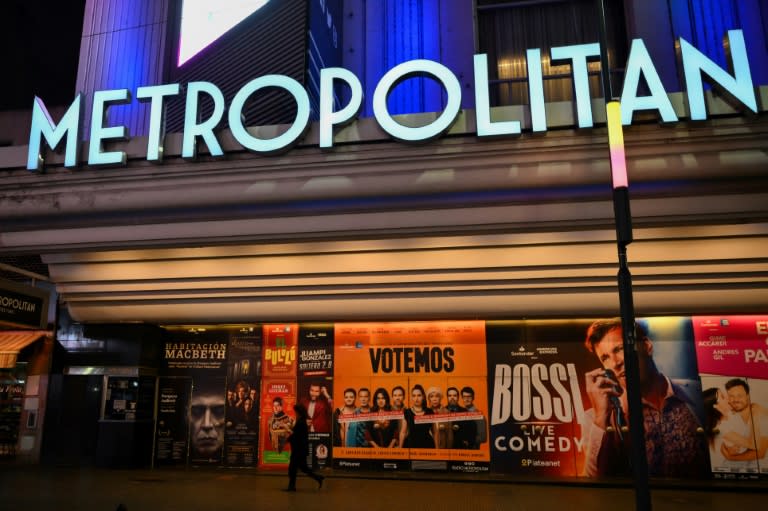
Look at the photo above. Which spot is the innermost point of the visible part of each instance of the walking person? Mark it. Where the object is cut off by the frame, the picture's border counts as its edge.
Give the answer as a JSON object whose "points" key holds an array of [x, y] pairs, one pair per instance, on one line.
{"points": [[299, 441]]}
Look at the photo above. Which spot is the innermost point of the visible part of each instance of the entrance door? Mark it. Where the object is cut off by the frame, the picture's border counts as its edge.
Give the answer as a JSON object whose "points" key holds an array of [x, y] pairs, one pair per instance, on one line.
{"points": [[72, 420]]}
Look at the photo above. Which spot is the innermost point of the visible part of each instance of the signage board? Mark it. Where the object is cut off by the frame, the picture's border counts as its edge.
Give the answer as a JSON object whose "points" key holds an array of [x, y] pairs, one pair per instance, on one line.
{"points": [[693, 64], [23, 306]]}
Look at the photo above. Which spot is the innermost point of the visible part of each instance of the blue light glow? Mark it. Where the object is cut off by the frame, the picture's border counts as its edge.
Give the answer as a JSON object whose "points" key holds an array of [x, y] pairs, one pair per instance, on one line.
{"points": [[442, 75], [408, 30]]}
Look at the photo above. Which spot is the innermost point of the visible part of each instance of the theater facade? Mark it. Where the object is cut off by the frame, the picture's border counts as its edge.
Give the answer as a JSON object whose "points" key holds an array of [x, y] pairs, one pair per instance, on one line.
{"points": [[400, 215]]}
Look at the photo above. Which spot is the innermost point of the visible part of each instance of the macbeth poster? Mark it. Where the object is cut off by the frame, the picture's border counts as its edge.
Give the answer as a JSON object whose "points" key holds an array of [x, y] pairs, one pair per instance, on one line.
{"points": [[201, 354]]}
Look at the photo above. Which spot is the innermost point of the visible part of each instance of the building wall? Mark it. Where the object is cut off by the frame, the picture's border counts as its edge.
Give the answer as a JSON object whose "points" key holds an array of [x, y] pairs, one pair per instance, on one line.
{"points": [[377, 228], [129, 47], [35, 402], [460, 228], [123, 47], [380, 35], [273, 40], [660, 22]]}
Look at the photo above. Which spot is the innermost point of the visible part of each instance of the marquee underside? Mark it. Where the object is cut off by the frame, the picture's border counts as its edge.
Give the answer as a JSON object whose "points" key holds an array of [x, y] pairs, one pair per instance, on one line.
{"points": [[459, 228]]}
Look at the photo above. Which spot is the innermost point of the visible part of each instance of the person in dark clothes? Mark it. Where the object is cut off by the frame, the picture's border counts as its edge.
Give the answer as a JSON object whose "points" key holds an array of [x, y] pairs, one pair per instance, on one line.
{"points": [[299, 441]]}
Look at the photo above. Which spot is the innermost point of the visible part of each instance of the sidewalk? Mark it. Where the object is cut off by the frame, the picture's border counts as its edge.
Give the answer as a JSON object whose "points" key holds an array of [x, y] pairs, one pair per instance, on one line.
{"points": [[63, 489]]}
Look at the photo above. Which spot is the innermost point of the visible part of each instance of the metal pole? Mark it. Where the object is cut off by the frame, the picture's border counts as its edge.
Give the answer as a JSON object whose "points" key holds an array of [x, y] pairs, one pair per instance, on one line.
{"points": [[605, 70], [623, 220], [631, 364]]}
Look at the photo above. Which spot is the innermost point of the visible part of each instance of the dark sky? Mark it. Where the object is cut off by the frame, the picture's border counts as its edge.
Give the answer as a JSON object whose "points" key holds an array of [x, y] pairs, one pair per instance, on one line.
{"points": [[40, 48]]}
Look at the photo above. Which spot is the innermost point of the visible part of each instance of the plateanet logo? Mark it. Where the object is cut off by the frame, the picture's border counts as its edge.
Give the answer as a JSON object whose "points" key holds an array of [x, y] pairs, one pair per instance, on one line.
{"points": [[205, 21]]}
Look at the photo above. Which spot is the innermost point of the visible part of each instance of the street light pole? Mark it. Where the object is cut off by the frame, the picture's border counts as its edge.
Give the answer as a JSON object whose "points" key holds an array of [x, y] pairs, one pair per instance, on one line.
{"points": [[623, 220]]}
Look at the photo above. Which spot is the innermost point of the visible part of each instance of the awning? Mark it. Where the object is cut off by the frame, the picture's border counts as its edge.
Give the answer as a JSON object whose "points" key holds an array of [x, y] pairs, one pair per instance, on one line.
{"points": [[13, 341]]}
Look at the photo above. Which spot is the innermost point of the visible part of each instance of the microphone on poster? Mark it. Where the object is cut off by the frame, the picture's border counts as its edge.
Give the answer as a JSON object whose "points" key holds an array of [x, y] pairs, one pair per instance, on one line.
{"points": [[618, 412]]}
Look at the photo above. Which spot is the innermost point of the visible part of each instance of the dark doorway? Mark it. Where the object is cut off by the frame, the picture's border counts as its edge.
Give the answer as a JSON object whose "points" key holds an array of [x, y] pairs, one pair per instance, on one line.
{"points": [[72, 420]]}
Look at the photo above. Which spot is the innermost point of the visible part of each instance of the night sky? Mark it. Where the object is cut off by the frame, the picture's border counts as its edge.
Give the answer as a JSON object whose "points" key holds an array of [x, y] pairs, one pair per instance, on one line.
{"points": [[40, 48]]}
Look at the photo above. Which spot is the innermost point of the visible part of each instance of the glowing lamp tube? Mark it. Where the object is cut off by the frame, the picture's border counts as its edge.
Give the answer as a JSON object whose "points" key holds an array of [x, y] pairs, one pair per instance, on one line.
{"points": [[616, 145]]}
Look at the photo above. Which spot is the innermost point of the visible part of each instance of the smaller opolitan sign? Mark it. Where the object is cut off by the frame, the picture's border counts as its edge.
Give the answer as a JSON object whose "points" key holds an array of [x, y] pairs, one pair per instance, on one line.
{"points": [[23, 306]]}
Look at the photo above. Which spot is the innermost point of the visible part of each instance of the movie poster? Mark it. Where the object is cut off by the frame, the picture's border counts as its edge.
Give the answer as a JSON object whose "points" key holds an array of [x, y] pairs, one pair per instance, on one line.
{"points": [[277, 419], [559, 403], [410, 395], [243, 381], [279, 367], [732, 353], [172, 433], [206, 420], [201, 353], [315, 386]]}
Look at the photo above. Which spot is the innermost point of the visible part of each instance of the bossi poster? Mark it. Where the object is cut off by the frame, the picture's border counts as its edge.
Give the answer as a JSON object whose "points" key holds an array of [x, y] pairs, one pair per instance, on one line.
{"points": [[733, 363], [537, 402], [410, 395], [315, 388], [558, 399], [278, 393]]}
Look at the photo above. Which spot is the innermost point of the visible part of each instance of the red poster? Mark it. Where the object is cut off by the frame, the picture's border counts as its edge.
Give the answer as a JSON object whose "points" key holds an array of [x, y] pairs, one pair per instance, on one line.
{"points": [[732, 352], [736, 346], [277, 418], [278, 394], [280, 347]]}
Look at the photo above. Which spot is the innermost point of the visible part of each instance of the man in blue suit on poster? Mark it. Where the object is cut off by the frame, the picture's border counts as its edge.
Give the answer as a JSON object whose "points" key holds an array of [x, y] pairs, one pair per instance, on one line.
{"points": [[674, 443]]}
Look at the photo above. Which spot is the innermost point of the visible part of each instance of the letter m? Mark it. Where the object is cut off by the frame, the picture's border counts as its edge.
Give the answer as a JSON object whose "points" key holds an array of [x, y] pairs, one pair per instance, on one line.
{"points": [[44, 127]]}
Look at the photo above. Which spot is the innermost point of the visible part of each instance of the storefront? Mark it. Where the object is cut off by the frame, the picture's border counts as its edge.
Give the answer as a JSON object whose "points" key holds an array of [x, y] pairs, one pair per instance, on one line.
{"points": [[378, 264], [26, 347], [518, 398]]}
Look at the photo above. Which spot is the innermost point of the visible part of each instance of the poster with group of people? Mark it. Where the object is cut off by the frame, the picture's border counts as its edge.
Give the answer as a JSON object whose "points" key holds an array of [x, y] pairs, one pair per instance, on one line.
{"points": [[533, 397], [406, 396], [243, 379]]}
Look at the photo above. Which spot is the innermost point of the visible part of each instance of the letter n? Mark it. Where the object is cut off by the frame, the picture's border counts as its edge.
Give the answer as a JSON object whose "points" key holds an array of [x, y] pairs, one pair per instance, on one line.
{"points": [[739, 86]]}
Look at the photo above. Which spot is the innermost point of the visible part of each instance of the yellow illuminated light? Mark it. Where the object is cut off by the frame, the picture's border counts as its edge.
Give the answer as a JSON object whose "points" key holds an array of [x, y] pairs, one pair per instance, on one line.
{"points": [[616, 144]]}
